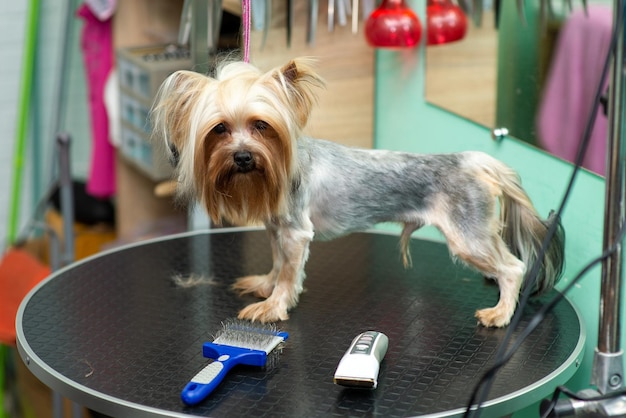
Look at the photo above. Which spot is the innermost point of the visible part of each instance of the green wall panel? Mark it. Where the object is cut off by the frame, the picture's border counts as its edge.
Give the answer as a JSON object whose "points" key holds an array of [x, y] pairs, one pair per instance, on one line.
{"points": [[404, 121]]}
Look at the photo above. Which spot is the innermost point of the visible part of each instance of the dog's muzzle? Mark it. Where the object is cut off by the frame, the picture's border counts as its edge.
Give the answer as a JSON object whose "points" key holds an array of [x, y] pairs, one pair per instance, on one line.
{"points": [[244, 161]]}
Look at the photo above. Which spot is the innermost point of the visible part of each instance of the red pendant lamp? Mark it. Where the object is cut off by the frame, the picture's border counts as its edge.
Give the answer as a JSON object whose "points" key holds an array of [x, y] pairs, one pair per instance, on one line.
{"points": [[393, 25], [446, 22]]}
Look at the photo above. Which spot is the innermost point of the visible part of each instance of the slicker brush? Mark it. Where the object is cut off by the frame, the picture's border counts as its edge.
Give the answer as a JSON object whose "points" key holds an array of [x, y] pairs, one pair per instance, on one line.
{"points": [[238, 342]]}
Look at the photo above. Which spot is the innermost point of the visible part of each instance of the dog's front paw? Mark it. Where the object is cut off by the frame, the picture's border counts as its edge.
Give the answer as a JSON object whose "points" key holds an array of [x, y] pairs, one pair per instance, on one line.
{"points": [[494, 317], [264, 312], [260, 286]]}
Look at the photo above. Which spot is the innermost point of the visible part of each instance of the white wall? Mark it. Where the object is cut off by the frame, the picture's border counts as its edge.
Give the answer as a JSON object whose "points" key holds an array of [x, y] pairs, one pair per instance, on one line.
{"points": [[12, 28], [41, 132]]}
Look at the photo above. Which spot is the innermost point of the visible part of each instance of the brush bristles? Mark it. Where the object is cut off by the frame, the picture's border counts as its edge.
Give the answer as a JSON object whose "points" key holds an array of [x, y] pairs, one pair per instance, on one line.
{"points": [[244, 334]]}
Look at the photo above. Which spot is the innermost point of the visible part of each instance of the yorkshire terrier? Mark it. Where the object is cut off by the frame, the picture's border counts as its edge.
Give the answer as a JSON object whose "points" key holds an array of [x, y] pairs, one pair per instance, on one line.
{"points": [[237, 143]]}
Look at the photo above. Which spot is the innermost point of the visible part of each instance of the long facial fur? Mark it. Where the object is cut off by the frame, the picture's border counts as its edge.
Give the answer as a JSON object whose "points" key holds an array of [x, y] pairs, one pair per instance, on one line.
{"points": [[207, 119]]}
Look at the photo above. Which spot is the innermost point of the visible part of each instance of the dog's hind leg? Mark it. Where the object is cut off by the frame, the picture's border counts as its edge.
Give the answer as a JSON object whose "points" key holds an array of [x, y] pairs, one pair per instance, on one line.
{"points": [[405, 239], [488, 254], [509, 274]]}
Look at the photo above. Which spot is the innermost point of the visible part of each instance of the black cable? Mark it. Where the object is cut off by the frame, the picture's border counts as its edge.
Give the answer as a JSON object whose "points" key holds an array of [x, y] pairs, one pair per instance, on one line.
{"points": [[547, 307], [487, 378], [605, 397], [572, 395]]}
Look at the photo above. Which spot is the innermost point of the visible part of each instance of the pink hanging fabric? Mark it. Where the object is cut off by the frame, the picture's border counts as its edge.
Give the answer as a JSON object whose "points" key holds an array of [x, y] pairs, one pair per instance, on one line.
{"points": [[97, 48], [571, 85]]}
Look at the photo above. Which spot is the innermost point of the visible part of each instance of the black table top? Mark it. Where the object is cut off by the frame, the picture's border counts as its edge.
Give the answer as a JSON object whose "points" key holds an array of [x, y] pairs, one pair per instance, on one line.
{"points": [[116, 334]]}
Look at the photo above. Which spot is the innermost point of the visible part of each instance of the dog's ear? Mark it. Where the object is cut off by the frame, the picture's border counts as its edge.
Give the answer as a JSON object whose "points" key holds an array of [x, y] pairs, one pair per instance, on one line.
{"points": [[299, 81], [290, 72], [174, 104]]}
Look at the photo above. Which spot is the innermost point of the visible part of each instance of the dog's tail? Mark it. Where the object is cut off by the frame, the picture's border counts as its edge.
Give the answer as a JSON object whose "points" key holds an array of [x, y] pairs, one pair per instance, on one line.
{"points": [[524, 231]]}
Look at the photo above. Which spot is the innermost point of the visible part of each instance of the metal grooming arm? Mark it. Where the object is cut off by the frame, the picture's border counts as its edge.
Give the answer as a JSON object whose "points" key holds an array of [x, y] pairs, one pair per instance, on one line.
{"points": [[67, 198], [608, 373]]}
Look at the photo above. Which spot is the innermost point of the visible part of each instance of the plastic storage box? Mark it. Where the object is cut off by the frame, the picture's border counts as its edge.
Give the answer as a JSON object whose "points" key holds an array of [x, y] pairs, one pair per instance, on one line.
{"points": [[141, 70]]}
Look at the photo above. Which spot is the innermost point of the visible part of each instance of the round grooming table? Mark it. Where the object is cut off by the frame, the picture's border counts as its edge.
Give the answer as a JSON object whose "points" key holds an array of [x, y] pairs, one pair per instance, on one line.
{"points": [[117, 334]]}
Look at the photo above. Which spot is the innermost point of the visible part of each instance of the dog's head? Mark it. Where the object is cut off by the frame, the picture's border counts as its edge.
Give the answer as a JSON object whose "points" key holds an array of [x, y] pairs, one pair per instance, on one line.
{"points": [[233, 135]]}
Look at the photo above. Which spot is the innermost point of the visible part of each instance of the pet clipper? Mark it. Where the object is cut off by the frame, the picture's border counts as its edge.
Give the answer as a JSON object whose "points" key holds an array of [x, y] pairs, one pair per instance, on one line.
{"points": [[360, 365], [238, 342]]}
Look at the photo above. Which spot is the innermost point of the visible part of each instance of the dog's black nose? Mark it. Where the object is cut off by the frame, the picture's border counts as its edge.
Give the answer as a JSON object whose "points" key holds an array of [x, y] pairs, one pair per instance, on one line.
{"points": [[244, 160]]}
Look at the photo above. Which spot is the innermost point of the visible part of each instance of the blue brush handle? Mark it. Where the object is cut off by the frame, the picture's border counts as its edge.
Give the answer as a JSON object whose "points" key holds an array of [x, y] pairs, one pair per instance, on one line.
{"points": [[226, 357], [204, 382]]}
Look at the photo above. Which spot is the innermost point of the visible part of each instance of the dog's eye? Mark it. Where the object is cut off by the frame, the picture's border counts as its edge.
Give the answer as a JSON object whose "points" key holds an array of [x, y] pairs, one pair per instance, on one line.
{"points": [[260, 125], [220, 128]]}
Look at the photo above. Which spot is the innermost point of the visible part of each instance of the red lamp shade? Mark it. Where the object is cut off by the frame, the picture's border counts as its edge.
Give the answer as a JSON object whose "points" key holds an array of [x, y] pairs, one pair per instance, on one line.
{"points": [[446, 22], [393, 25]]}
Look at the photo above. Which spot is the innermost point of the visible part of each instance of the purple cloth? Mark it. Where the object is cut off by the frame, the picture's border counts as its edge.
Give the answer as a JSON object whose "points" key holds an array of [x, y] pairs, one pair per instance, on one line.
{"points": [[97, 47], [571, 85]]}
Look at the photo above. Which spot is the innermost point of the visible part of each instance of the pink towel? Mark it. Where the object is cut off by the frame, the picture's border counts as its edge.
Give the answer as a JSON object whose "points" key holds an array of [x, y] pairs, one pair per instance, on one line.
{"points": [[572, 81], [97, 47]]}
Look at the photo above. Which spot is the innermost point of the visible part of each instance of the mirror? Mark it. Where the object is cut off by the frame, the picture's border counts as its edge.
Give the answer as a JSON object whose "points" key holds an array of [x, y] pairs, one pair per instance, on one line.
{"points": [[461, 76], [534, 76]]}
